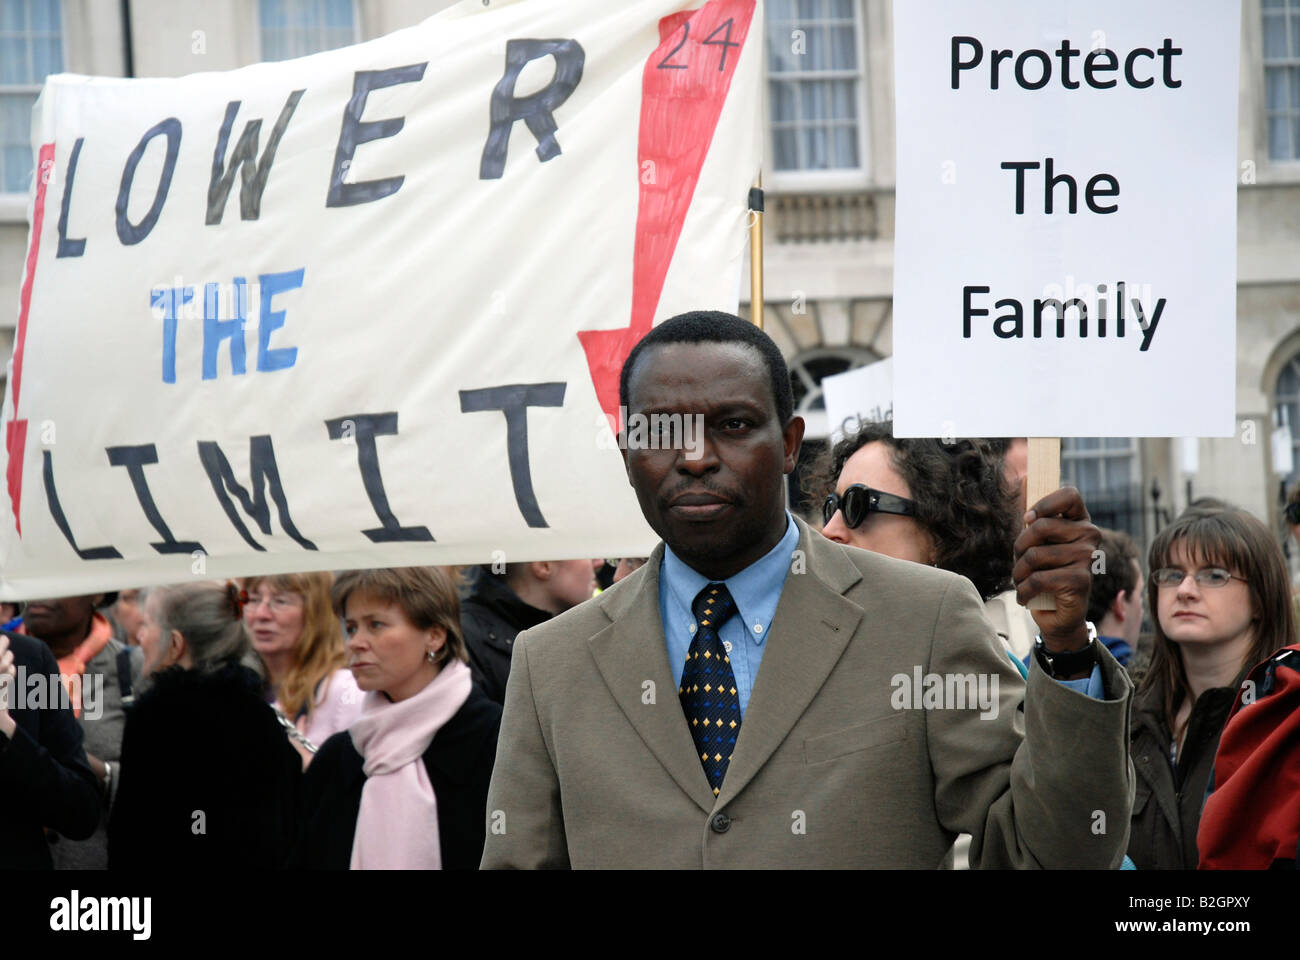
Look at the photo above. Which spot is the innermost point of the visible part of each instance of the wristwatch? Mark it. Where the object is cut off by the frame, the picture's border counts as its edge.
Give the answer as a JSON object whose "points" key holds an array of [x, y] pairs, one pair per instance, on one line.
{"points": [[1057, 665]]}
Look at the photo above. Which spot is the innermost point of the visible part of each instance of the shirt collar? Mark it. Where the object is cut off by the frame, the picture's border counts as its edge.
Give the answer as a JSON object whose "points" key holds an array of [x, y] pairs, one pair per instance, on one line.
{"points": [[756, 589]]}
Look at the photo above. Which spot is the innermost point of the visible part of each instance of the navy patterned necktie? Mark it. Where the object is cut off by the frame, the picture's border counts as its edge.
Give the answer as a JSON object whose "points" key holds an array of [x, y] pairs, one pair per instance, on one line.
{"points": [[708, 690]]}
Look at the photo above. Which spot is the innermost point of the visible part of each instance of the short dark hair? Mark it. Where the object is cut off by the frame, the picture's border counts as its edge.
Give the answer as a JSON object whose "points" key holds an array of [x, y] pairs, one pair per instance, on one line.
{"points": [[713, 326], [1120, 556], [961, 499]]}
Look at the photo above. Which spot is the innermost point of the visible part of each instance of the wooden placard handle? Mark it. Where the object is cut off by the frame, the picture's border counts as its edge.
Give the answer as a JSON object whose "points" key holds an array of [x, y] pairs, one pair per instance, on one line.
{"points": [[1044, 477]]}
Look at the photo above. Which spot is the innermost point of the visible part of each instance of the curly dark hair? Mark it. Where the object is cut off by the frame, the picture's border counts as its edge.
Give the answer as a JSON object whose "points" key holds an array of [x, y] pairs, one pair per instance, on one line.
{"points": [[961, 499]]}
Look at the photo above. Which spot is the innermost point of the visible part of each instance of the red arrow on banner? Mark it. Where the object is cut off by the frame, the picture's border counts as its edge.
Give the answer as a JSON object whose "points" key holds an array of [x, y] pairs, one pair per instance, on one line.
{"points": [[16, 430], [683, 88]]}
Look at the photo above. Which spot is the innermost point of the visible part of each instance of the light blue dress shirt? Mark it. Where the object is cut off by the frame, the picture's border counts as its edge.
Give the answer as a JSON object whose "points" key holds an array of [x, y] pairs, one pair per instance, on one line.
{"points": [[757, 591]]}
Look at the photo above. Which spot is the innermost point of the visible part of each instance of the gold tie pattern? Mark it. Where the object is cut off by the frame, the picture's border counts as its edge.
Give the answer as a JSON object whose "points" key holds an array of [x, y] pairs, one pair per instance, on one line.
{"points": [[708, 689]]}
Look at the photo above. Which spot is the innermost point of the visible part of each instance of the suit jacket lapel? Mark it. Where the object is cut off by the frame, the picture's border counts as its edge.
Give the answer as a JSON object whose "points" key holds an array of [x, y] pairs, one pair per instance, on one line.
{"points": [[632, 650], [812, 626]]}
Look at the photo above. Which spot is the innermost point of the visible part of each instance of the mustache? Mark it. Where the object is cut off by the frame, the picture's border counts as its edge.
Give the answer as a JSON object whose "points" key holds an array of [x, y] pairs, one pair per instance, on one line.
{"points": [[734, 496]]}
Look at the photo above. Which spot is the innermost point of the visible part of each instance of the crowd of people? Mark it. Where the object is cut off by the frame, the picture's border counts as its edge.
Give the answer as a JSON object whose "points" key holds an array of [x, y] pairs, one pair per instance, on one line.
{"points": [[588, 712]]}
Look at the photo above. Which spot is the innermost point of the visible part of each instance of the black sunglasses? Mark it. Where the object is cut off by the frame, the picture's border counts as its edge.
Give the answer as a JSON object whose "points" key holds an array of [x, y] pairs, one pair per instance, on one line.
{"points": [[859, 500], [1293, 513]]}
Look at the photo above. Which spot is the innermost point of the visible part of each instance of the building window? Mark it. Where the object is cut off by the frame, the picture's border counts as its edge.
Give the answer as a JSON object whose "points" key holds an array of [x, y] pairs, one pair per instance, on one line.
{"points": [[31, 48], [814, 69], [1288, 412], [1105, 470], [296, 28], [1282, 77]]}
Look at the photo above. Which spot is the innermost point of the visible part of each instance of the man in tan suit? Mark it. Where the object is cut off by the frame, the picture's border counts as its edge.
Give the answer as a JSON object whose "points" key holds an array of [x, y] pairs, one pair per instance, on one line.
{"points": [[885, 718]]}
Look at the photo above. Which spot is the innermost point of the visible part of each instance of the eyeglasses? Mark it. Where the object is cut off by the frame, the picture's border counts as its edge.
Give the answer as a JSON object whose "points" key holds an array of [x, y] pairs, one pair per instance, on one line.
{"points": [[1205, 577], [1293, 513], [278, 602], [859, 500]]}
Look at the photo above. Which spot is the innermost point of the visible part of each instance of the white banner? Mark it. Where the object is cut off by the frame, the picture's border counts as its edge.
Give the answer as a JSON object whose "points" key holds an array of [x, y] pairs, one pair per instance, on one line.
{"points": [[368, 308], [1066, 220]]}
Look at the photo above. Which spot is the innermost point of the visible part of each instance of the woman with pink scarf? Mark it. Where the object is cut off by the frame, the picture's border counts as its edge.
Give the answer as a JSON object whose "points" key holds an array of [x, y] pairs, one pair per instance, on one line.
{"points": [[406, 786]]}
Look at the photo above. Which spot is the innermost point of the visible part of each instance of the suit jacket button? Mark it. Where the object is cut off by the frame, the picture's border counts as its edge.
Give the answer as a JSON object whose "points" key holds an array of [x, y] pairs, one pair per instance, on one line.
{"points": [[720, 823]]}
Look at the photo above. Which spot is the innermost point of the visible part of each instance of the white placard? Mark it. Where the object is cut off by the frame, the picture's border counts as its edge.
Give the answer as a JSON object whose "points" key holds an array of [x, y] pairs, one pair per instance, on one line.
{"points": [[1135, 103], [395, 341], [857, 396]]}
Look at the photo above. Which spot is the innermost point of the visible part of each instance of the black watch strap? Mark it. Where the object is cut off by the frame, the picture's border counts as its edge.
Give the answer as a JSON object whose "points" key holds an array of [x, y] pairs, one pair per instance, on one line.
{"points": [[1057, 665]]}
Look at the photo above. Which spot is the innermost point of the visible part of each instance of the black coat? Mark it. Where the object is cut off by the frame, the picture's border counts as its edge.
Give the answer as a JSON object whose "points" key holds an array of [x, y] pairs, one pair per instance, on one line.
{"points": [[459, 763], [209, 780], [491, 616], [1168, 800], [45, 780]]}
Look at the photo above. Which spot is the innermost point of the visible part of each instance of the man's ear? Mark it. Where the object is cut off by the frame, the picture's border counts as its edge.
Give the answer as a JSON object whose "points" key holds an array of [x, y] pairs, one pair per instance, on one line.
{"points": [[1118, 606], [541, 569], [792, 434]]}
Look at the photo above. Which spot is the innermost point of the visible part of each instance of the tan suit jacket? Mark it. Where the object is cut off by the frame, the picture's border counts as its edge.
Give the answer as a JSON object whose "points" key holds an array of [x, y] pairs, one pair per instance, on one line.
{"points": [[596, 767]]}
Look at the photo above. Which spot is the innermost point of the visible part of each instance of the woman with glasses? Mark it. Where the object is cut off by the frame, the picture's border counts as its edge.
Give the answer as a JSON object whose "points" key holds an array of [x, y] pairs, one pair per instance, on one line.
{"points": [[300, 641], [1220, 598], [942, 504]]}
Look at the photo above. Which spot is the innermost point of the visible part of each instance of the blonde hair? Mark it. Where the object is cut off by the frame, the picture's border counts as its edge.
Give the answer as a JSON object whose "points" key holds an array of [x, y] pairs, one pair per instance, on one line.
{"points": [[319, 652], [427, 595]]}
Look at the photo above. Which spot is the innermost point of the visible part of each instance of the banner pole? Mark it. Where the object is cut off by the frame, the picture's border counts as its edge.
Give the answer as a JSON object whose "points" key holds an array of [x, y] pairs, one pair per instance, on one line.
{"points": [[756, 253], [1044, 476]]}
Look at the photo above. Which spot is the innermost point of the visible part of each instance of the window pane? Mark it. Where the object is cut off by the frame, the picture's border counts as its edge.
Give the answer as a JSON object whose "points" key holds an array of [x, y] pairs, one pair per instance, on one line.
{"points": [[1085, 443], [846, 147], [1288, 382], [45, 16], [844, 54], [1116, 443], [1295, 34], [272, 14], [844, 99], [781, 57], [1275, 80], [1279, 138], [819, 54], [297, 28], [1294, 73], [338, 14], [786, 154], [13, 16], [814, 140], [1266, 4], [14, 66], [842, 9], [779, 10], [47, 55], [17, 167], [1087, 476], [782, 102], [809, 9], [1274, 37], [814, 101]]}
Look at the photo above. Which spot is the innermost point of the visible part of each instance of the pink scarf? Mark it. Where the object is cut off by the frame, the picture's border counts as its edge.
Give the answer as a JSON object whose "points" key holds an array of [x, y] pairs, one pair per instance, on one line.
{"points": [[397, 826]]}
